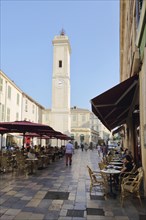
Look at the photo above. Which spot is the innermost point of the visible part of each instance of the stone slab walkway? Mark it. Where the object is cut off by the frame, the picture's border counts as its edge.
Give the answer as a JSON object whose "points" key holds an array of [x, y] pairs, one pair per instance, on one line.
{"points": [[62, 193]]}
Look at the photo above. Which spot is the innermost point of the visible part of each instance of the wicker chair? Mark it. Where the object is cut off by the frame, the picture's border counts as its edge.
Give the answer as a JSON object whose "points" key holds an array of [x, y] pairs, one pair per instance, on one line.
{"points": [[131, 185], [96, 179], [101, 165], [5, 166], [125, 174]]}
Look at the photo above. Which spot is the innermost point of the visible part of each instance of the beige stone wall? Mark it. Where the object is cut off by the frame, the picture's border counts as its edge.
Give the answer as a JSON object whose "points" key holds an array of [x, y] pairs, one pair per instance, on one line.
{"points": [[128, 51], [143, 115], [131, 63]]}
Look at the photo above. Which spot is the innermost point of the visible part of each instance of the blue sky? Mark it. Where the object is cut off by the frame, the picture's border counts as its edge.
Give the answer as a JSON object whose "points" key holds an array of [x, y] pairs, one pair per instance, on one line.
{"points": [[27, 30]]}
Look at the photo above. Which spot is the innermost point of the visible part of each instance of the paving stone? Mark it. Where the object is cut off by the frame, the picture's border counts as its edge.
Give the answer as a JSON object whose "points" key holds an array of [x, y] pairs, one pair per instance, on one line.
{"points": [[52, 215], [7, 189], [108, 213], [2, 200], [33, 203], [95, 211], [64, 218], [97, 197], [37, 216], [68, 206], [57, 195], [12, 212], [81, 206], [20, 204], [19, 195], [11, 193], [3, 210], [7, 217], [75, 213], [13, 199], [56, 207], [26, 198], [23, 216], [63, 212], [29, 209], [121, 218]]}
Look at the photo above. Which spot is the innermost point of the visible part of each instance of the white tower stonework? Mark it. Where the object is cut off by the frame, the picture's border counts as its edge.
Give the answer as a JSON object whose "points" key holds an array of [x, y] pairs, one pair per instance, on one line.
{"points": [[60, 111]]}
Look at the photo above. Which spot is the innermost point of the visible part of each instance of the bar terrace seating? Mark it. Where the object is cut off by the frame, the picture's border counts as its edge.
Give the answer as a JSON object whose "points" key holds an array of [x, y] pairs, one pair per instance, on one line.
{"points": [[131, 185]]}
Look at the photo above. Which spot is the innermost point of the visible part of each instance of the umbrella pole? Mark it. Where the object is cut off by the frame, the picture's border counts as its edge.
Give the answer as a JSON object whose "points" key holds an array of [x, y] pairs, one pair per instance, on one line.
{"points": [[32, 142], [23, 139], [1, 143], [40, 140]]}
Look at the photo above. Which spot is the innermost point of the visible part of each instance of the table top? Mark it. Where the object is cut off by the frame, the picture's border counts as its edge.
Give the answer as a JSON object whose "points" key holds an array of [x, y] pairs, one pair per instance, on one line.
{"points": [[110, 171], [116, 160], [116, 163], [42, 156], [32, 159], [115, 167]]}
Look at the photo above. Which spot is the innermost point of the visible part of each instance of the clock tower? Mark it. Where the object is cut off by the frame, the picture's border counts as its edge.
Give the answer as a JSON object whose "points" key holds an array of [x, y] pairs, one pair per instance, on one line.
{"points": [[60, 111]]}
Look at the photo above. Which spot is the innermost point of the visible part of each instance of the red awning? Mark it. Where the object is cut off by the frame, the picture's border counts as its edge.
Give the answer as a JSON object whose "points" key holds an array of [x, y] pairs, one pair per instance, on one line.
{"points": [[24, 126], [31, 129], [113, 106]]}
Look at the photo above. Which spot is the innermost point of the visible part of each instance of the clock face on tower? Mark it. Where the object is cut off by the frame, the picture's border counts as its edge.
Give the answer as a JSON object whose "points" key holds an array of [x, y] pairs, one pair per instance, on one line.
{"points": [[59, 83]]}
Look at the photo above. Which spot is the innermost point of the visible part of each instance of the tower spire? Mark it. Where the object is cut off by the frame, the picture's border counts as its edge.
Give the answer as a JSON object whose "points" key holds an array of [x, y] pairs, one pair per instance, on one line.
{"points": [[62, 32]]}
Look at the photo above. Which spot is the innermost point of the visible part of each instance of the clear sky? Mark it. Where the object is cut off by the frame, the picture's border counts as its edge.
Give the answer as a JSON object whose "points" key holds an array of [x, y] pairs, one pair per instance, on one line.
{"points": [[27, 30]]}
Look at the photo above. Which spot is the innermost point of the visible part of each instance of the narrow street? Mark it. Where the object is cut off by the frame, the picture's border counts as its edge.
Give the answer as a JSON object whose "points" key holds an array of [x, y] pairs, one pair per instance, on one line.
{"points": [[62, 193]]}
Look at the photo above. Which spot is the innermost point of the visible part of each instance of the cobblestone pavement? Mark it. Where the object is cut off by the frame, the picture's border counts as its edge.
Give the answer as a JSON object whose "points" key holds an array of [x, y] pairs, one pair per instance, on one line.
{"points": [[62, 193]]}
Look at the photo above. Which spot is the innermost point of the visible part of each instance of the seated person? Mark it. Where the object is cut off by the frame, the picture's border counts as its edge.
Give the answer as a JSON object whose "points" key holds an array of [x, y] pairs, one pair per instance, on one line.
{"points": [[125, 153], [130, 154], [127, 167], [31, 154], [128, 164]]}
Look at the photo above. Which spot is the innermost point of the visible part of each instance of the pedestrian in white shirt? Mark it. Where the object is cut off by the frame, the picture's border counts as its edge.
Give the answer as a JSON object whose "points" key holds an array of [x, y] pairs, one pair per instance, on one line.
{"points": [[69, 148], [99, 149]]}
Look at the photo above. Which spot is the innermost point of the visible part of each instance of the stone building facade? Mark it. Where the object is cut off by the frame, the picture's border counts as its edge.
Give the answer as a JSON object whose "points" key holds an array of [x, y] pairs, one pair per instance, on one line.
{"points": [[133, 62], [15, 105]]}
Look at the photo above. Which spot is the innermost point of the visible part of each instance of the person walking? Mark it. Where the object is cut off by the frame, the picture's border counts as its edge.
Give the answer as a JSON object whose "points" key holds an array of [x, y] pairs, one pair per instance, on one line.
{"points": [[99, 149], [69, 149], [82, 146]]}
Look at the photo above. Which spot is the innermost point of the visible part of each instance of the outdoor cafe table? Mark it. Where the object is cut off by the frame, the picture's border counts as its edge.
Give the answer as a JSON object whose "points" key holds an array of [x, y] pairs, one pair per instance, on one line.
{"points": [[115, 163], [116, 160], [110, 172], [32, 160], [115, 167]]}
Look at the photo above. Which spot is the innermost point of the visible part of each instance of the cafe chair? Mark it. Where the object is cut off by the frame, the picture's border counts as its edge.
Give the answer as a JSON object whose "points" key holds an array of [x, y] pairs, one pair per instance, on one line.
{"points": [[131, 185], [102, 165], [21, 167], [125, 174], [5, 166], [96, 179]]}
